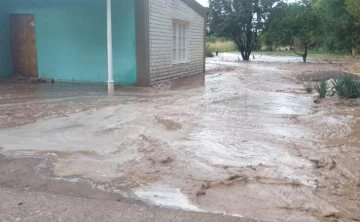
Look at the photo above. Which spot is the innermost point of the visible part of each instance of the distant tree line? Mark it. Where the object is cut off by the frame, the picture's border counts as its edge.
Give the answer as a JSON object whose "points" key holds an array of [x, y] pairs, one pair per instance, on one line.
{"points": [[329, 25]]}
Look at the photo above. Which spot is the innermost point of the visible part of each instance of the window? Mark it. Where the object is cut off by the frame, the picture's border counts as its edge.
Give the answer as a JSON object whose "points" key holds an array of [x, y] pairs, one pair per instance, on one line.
{"points": [[180, 32]]}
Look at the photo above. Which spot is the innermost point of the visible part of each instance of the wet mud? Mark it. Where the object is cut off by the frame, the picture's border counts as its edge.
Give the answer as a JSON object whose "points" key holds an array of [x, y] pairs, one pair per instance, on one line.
{"points": [[243, 140]]}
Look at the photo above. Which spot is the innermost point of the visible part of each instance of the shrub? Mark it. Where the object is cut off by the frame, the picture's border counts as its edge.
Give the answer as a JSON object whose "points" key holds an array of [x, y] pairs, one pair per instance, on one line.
{"points": [[322, 89], [209, 52], [346, 87]]}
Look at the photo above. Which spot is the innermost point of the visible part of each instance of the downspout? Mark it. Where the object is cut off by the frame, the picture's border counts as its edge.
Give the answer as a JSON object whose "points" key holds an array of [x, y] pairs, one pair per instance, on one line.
{"points": [[109, 49]]}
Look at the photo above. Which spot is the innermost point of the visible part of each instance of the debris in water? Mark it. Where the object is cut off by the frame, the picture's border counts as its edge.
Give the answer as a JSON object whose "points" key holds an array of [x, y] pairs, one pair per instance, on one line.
{"points": [[237, 177], [166, 160], [326, 162], [201, 192], [332, 216], [206, 186], [317, 101], [296, 183]]}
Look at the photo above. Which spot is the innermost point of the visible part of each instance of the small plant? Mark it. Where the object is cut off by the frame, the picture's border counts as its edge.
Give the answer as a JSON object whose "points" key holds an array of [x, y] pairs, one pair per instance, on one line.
{"points": [[209, 52], [346, 87], [322, 89], [308, 88]]}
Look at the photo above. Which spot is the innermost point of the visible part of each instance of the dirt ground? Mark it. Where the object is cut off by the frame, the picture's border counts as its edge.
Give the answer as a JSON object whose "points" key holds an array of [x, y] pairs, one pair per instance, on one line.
{"points": [[244, 140]]}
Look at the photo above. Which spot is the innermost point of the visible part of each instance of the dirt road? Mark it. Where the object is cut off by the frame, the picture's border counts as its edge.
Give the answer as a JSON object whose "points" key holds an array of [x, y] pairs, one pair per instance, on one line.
{"points": [[245, 140]]}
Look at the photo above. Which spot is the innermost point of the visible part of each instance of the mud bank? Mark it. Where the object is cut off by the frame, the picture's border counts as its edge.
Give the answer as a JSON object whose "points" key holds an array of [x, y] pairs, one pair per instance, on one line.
{"points": [[246, 140], [35, 174], [27, 196]]}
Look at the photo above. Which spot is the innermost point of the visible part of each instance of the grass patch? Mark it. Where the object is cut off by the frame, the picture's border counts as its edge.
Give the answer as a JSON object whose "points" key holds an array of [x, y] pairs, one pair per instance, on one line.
{"points": [[346, 87], [322, 89], [220, 46]]}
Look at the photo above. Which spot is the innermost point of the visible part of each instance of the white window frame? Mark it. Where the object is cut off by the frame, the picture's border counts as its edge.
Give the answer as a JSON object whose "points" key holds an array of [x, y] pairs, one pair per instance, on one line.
{"points": [[180, 47]]}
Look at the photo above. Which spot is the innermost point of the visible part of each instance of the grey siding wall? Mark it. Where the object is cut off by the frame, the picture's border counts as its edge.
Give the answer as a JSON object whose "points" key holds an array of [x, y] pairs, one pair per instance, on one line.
{"points": [[162, 13]]}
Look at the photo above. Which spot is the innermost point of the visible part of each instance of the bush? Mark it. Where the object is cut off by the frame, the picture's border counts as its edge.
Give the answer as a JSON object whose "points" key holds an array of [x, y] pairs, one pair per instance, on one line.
{"points": [[209, 52], [322, 89], [346, 87]]}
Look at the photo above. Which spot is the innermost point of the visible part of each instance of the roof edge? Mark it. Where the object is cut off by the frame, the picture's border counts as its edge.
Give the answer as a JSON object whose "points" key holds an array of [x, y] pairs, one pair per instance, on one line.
{"points": [[197, 7]]}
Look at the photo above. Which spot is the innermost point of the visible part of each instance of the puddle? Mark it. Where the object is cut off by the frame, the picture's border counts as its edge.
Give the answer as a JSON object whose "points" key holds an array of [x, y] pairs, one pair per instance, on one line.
{"points": [[236, 57]]}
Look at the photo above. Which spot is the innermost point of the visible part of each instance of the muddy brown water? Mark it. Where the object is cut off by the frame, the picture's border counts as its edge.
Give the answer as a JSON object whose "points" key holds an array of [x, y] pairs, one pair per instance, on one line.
{"points": [[244, 141]]}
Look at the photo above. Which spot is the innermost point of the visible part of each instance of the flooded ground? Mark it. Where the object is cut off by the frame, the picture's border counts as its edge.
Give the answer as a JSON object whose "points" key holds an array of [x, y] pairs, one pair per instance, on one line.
{"points": [[245, 140]]}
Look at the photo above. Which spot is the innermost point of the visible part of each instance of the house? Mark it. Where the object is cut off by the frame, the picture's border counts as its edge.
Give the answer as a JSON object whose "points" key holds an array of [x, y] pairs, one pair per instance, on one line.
{"points": [[130, 42]]}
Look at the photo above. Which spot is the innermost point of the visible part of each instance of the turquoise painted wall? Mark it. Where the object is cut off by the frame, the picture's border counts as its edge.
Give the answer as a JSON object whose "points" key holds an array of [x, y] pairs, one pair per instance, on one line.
{"points": [[5, 59], [71, 39]]}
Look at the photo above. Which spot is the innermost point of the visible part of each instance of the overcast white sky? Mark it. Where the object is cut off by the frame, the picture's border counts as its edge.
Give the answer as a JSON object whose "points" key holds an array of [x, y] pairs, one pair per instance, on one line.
{"points": [[203, 2]]}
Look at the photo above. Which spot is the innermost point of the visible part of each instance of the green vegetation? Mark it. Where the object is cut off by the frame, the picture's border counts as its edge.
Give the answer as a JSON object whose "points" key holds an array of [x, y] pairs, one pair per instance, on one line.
{"points": [[353, 7], [213, 39], [290, 53], [296, 24], [209, 52], [322, 89], [302, 26], [219, 46], [340, 31], [234, 19], [346, 87]]}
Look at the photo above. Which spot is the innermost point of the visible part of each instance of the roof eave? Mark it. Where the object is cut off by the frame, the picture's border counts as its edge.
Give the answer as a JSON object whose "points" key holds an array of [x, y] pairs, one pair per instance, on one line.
{"points": [[197, 7]]}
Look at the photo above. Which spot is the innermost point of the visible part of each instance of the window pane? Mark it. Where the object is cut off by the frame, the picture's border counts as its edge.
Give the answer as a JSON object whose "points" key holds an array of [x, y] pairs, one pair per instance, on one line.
{"points": [[179, 51]]}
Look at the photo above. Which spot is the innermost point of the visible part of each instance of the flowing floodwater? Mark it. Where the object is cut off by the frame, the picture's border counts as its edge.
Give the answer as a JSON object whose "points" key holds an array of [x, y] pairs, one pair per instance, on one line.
{"points": [[244, 141]]}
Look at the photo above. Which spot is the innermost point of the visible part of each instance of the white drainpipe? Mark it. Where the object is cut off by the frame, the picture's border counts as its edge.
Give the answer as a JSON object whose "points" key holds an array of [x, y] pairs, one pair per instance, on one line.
{"points": [[109, 48]]}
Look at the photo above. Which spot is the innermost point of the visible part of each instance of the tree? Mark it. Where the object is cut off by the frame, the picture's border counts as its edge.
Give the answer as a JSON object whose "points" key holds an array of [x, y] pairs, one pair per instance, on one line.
{"points": [[341, 30], [300, 23], [240, 20], [272, 35], [353, 7]]}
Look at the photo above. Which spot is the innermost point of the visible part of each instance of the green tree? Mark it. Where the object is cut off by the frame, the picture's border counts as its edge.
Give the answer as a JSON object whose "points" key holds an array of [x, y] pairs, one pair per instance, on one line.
{"points": [[273, 34], [340, 29], [240, 20], [353, 7], [300, 23]]}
